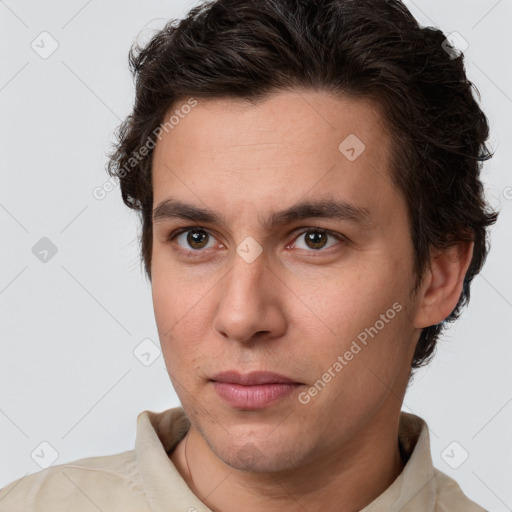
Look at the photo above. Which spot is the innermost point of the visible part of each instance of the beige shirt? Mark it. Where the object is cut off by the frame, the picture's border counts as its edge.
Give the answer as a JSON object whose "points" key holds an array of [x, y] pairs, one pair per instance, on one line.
{"points": [[145, 479]]}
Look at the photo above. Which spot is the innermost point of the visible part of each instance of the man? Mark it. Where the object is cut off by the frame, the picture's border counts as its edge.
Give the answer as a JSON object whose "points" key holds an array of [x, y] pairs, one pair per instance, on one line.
{"points": [[307, 175]]}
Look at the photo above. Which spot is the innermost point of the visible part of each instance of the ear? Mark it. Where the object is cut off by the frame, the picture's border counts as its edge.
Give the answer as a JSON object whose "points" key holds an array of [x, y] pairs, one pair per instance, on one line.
{"points": [[442, 283]]}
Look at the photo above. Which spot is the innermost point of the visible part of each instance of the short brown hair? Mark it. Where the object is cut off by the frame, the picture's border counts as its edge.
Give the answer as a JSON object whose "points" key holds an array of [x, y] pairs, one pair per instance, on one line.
{"points": [[368, 49]]}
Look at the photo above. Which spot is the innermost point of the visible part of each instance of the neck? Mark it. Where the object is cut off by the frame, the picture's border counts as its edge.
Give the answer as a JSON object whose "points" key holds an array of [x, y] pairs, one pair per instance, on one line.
{"points": [[347, 479]]}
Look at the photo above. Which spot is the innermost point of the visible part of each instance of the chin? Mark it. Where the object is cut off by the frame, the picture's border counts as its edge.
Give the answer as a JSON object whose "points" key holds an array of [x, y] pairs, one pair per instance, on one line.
{"points": [[258, 456]]}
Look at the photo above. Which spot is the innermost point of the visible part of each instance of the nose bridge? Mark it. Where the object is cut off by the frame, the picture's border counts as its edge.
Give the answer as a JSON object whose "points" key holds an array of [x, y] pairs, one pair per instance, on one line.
{"points": [[249, 261], [247, 303], [246, 278]]}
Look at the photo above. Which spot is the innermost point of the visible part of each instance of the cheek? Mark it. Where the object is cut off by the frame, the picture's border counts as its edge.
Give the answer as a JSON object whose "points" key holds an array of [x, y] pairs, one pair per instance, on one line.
{"points": [[165, 306], [345, 301], [175, 307], [178, 293], [357, 370], [369, 327]]}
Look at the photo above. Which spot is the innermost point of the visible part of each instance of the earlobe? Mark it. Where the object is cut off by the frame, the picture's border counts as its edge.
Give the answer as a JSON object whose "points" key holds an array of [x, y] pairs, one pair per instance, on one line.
{"points": [[442, 284]]}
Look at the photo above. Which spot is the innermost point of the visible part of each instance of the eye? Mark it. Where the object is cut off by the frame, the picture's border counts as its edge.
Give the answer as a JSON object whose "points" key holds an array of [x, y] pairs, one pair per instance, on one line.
{"points": [[316, 239], [194, 238]]}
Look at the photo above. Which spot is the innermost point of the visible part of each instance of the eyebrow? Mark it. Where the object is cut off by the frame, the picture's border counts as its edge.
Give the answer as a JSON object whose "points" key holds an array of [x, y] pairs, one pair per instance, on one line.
{"points": [[325, 209]]}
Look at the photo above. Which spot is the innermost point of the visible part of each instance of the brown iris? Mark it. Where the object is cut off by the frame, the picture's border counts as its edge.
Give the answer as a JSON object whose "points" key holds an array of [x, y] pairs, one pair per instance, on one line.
{"points": [[316, 239], [197, 238]]}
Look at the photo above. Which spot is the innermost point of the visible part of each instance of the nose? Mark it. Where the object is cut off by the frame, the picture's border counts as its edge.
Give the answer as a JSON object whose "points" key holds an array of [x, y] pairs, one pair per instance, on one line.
{"points": [[250, 304]]}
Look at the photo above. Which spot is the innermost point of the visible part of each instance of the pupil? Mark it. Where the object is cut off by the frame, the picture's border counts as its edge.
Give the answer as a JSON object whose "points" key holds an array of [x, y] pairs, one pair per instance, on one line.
{"points": [[316, 238], [195, 238]]}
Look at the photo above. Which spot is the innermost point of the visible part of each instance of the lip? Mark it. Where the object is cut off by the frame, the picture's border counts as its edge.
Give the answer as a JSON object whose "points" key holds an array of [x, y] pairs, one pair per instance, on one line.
{"points": [[252, 378], [252, 391]]}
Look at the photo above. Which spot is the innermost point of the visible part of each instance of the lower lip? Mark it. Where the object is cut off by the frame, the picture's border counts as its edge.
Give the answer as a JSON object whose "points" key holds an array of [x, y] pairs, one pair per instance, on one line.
{"points": [[253, 397]]}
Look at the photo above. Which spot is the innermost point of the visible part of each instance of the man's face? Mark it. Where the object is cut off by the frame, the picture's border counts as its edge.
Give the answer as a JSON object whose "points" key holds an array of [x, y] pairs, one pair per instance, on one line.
{"points": [[243, 294]]}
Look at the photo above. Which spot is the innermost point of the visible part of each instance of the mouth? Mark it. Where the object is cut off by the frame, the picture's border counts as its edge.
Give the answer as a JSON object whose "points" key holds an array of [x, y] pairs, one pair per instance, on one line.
{"points": [[252, 391]]}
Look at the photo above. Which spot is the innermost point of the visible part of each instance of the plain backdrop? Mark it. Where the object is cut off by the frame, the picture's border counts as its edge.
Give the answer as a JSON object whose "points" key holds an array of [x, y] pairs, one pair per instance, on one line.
{"points": [[75, 306]]}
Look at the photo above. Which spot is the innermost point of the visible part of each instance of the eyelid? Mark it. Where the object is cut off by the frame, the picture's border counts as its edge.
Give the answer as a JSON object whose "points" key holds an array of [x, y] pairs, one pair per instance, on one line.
{"points": [[184, 229]]}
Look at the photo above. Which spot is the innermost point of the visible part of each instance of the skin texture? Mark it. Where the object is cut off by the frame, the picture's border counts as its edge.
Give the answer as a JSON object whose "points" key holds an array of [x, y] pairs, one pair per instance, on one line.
{"points": [[295, 308]]}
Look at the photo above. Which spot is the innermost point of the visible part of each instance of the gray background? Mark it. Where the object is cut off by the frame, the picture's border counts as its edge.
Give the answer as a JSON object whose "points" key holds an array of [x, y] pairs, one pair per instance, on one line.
{"points": [[69, 326]]}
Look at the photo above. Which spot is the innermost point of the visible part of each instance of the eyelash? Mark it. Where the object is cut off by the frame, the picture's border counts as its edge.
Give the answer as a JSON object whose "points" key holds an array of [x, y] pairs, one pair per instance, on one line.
{"points": [[199, 253]]}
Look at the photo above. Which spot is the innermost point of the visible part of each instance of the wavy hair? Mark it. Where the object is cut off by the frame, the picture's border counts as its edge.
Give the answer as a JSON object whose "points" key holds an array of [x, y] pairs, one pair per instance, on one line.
{"points": [[371, 49]]}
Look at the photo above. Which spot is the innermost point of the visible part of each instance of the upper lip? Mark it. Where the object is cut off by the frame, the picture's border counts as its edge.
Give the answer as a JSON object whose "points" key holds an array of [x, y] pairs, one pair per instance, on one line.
{"points": [[252, 378]]}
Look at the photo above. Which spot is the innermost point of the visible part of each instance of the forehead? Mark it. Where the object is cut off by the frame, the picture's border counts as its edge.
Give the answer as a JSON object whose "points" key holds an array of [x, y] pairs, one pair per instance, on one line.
{"points": [[294, 144], [307, 121]]}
